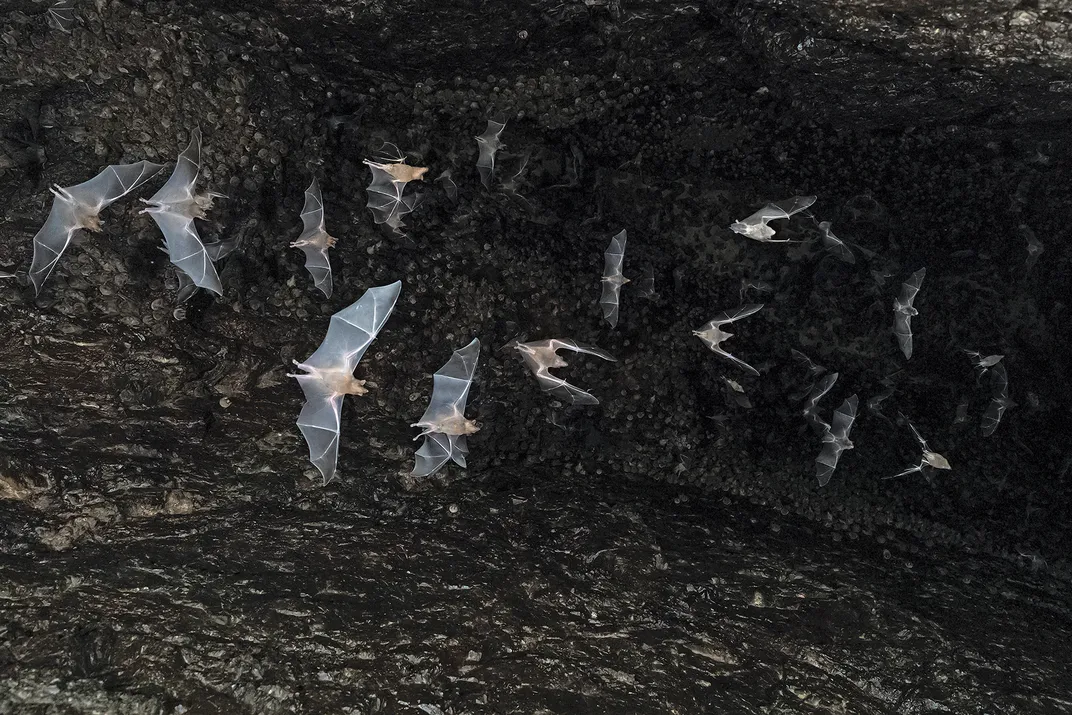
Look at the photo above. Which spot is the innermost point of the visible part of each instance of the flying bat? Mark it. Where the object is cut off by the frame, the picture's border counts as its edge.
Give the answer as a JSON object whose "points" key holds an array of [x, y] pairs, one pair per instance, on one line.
{"points": [[386, 194], [903, 312], [982, 364], [999, 400], [613, 280], [329, 372], [818, 390], [835, 440], [1034, 246], [174, 208], [755, 226], [542, 356], [928, 461], [489, 144], [713, 336], [443, 424], [78, 207], [314, 240]]}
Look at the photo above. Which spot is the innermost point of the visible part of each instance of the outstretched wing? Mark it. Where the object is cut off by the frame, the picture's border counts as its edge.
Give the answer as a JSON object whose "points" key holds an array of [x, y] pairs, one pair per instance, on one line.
{"points": [[568, 344], [826, 462], [818, 390], [113, 183], [61, 16], [835, 245], [788, 207], [612, 278], [902, 328], [736, 360], [314, 240], [488, 144], [451, 383], [844, 416], [999, 401], [432, 455], [180, 185], [385, 198], [185, 249], [729, 316], [564, 391], [319, 424], [911, 287], [312, 213], [52, 240], [353, 328]]}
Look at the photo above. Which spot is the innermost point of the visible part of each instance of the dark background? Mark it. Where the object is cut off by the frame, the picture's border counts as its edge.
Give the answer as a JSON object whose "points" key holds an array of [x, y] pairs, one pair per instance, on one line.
{"points": [[166, 543]]}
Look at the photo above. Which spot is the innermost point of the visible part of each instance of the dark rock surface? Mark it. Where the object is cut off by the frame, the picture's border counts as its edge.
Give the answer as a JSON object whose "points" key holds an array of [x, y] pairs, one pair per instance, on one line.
{"points": [[164, 546]]}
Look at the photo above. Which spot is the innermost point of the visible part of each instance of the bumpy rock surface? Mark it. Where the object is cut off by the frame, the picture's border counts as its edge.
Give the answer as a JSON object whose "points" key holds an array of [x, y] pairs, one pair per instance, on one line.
{"points": [[165, 545]]}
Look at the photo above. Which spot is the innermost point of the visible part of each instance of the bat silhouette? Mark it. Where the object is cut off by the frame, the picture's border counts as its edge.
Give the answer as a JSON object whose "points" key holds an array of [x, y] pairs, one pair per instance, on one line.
{"points": [[835, 440], [713, 336], [314, 240], [999, 400], [78, 207], [542, 356], [755, 226], [330, 372], [61, 16], [174, 208], [811, 402], [928, 461], [613, 280], [1034, 246], [489, 144], [443, 423], [448, 184], [386, 194], [903, 312]]}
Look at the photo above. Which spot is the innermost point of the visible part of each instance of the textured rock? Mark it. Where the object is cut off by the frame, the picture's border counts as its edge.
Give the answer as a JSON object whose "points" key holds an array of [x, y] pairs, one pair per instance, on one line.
{"points": [[163, 540]]}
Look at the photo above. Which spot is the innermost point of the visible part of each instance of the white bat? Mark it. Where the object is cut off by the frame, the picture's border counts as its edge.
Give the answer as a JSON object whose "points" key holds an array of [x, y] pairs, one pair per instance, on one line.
{"points": [[903, 312], [713, 335], [314, 240], [755, 226], [444, 424], [835, 440], [542, 356], [613, 280]]}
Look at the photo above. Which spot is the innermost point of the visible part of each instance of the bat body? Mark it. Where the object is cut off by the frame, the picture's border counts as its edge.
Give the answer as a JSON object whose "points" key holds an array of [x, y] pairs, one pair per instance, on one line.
{"points": [[386, 194], [835, 245], [174, 208], [314, 240], [443, 424], [756, 226], [982, 364], [489, 144], [903, 312], [835, 440], [613, 280], [999, 400], [329, 372], [78, 207], [928, 461], [542, 356], [713, 335]]}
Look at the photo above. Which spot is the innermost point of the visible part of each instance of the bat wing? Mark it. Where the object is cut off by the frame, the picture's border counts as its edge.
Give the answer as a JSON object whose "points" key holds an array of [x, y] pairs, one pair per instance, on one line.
{"points": [[319, 423], [220, 249], [113, 183], [448, 184], [735, 360], [609, 301], [314, 241], [826, 462], [573, 345], [385, 195], [319, 266], [820, 388], [353, 328], [999, 402], [614, 255], [459, 450], [844, 416], [730, 316], [489, 143], [565, 391], [61, 16], [788, 207], [52, 240], [902, 328], [312, 213], [186, 251], [434, 452], [180, 185], [911, 287], [451, 383], [835, 245]]}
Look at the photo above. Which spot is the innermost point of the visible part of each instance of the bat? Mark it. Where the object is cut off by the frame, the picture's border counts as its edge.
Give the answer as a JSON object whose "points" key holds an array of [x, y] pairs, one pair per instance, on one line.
{"points": [[215, 252], [713, 336], [489, 144], [903, 311], [835, 245], [541, 356], [613, 280], [1034, 246], [735, 392], [174, 208], [982, 364], [755, 226], [835, 440], [386, 194], [999, 400], [448, 184], [61, 16], [928, 461], [814, 370], [818, 390], [314, 240], [443, 424], [329, 372], [78, 207]]}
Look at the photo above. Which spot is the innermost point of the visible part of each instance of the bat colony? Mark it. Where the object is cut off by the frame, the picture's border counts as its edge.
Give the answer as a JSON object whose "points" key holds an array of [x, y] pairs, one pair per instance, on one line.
{"points": [[327, 376]]}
